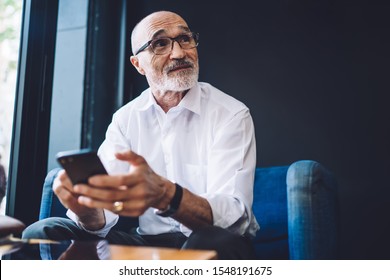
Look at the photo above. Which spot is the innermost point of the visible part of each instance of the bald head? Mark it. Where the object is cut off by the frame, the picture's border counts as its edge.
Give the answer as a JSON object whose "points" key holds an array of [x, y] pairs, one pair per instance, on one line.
{"points": [[152, 24]]}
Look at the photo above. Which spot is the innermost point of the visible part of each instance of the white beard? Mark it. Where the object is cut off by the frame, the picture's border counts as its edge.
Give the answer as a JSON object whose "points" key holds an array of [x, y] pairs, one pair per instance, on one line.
{"points": [[179, 81]]}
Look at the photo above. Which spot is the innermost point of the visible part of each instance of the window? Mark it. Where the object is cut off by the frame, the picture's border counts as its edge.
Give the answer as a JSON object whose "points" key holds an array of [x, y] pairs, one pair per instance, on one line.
{"points": [[31, 120], [67, 89], [10, 21]]}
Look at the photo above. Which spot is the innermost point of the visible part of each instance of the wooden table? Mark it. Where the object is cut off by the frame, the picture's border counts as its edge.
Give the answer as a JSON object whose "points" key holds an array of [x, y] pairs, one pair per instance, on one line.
{"points": [[119, 252], [93, 250]]}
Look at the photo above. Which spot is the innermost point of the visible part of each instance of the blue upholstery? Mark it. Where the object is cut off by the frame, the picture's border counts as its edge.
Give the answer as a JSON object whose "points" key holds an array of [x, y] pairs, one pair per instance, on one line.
{"points": [[313, 212], [296, 207], [270, 209], [50, 205]]}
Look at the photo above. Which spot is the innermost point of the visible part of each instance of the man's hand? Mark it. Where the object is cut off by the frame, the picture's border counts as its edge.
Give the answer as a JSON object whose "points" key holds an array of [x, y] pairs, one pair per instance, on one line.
{"points": [[138, 190], [92, 219]]}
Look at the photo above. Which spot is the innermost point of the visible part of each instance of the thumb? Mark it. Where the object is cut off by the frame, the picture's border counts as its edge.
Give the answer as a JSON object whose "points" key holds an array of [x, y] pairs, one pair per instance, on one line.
{"points": [[131, 157]]}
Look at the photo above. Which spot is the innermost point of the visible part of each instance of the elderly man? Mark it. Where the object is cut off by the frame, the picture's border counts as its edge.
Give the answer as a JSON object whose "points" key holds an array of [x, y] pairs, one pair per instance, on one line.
{"points": [[181, 157]]}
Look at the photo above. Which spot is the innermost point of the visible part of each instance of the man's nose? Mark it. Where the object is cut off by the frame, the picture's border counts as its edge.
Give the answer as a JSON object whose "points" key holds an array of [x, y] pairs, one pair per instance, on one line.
{"points": [[177, 51]]}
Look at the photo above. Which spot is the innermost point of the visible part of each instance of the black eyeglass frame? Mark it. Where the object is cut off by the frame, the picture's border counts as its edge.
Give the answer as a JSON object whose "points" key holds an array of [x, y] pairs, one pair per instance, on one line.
{"points": [[147, 44]]}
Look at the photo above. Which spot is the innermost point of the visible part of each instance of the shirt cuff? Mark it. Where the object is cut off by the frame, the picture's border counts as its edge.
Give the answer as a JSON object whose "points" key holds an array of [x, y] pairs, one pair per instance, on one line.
{"points": [[228, 213], [110, 217]]}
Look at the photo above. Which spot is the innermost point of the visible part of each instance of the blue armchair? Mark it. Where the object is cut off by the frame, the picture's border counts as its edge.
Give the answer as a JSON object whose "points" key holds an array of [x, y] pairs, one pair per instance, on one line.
{"points": [[296, 207]]}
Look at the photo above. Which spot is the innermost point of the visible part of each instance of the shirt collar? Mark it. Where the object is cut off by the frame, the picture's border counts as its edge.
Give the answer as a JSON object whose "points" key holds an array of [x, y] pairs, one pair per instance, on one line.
{"points": [[191, 100], [147, 100]]}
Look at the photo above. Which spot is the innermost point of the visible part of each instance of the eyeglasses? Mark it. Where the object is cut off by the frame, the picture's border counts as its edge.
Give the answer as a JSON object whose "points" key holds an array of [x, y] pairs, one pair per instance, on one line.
{"points": [[164, 45]]}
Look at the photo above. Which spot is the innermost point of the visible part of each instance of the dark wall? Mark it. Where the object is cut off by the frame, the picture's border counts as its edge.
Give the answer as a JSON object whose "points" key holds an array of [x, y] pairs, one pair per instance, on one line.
{"points": [[315, 75]]}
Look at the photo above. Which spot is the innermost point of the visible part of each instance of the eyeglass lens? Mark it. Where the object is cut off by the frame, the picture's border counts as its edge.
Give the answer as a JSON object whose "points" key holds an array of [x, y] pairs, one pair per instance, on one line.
{"points": [[164, 45]]}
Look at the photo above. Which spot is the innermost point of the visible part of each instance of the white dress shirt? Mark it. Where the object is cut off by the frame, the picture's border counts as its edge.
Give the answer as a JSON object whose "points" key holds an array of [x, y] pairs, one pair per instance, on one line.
{"points": [[205, 144]]}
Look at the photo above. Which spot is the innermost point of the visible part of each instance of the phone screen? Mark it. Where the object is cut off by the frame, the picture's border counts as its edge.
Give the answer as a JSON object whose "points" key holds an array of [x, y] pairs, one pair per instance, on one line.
{"points": [[81, 164]]}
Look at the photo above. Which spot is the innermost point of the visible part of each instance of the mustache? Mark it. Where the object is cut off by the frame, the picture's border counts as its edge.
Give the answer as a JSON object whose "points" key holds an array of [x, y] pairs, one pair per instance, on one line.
{"points": [[178, 64]]}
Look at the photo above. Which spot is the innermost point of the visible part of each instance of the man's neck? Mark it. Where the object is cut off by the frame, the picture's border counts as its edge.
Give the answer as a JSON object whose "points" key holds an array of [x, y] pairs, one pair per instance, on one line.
{"points": [[168, 99]]}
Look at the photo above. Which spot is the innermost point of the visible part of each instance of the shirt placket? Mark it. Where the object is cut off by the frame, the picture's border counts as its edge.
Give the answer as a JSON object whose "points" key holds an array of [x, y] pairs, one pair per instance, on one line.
{"points": [[168, 138], [167, 142]]}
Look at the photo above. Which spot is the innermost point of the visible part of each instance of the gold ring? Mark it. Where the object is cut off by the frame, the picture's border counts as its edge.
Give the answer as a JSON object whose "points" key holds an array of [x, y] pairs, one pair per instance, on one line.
{"points": [[118, 206]]}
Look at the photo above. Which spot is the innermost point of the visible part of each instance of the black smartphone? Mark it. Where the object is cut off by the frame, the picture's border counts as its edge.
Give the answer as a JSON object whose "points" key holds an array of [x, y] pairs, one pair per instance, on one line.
{"points": [[81, 164]]}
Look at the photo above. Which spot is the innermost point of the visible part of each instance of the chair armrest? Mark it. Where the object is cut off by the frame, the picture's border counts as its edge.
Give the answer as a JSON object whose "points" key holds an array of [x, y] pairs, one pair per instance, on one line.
{"points": [[313, 212]]}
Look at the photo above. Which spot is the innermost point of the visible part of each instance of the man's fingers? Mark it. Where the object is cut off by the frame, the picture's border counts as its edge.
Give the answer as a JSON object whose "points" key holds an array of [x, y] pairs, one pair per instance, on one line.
{"points": [[132, 208], [131, 157], [113, 181], [63, 179], [107, 194]]}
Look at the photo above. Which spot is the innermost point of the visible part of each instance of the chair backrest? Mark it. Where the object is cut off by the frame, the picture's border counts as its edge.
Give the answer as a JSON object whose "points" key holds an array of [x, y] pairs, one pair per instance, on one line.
{"points": [[270, 209]]}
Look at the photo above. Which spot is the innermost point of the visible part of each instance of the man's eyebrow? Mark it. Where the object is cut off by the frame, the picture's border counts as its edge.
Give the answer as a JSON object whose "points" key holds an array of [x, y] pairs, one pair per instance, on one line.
{"points": [[163, 31], [185, 28], [158, 33]]}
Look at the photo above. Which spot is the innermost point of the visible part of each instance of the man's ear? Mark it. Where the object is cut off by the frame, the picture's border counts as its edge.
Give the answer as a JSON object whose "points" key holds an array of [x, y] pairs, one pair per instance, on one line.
{"points": [[134, 60]]}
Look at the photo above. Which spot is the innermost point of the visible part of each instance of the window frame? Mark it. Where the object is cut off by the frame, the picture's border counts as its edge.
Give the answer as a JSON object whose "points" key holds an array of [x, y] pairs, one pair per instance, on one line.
{"points": [[29, 148]]}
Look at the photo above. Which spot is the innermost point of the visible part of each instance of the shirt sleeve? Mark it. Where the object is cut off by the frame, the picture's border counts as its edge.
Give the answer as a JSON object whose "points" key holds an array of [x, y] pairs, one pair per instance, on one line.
{"points": [[230, 189], [114, 142]]}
